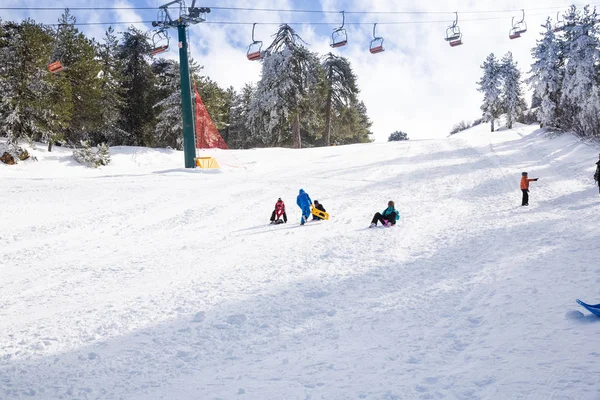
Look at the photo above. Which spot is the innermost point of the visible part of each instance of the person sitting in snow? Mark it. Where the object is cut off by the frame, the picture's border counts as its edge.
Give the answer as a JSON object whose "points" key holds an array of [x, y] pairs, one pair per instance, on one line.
{"points": [[597, 174], [279, 212], [304, 202], [388, 217], [319, 207], [525, 188]]}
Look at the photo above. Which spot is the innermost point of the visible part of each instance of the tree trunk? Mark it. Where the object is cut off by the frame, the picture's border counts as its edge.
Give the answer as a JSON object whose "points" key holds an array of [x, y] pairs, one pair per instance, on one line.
{"points": [[328, 121], [49, 146], [492, 125], [296, 131]]}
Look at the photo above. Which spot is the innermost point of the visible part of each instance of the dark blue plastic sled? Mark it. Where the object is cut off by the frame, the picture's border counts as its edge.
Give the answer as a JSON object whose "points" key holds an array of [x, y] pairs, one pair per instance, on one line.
{"points": [[593, 309]]}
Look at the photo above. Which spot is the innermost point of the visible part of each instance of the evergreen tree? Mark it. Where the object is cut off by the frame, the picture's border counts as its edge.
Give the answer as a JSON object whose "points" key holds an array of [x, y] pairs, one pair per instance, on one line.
{"points": [[77, 53], [353, 125], [230, 101], [512, 95], [397, 136], [289, 71], [137, 113], [546, 77], [111, 99], [342, 89], [216, 100], [489, 85], [33, 103], [581, 54], [238, 133], [169, 129]]}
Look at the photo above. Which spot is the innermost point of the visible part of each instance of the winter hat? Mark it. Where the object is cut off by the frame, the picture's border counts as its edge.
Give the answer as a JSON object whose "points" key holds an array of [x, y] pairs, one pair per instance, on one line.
{"points": [[524, 173], [316, 201]]}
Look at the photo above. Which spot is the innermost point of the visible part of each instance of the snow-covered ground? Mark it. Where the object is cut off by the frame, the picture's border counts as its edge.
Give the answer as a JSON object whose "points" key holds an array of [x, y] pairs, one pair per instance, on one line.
{"points": [[144, 280]]}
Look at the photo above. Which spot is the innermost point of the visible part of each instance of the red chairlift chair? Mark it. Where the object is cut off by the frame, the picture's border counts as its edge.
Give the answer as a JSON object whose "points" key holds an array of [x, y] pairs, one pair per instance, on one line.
{"points": [[376, 44], [55, 64], [160, 42], [518, 28], [453, 35], [339, 37], [254, 49], [55, 67]]}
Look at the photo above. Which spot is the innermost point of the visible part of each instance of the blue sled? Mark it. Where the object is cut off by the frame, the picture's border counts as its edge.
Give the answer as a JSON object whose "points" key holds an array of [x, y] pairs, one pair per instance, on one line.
{"points": [[593, 309]]}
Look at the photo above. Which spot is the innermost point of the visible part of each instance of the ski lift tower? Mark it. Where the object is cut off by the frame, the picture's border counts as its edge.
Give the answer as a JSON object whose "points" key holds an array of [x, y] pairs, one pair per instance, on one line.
{"points": [[185, 16]]}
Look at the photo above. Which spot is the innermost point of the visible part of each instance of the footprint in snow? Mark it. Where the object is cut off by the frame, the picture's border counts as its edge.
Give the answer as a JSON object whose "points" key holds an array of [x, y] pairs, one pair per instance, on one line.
{"points": [[238, 319], [199, 316]]}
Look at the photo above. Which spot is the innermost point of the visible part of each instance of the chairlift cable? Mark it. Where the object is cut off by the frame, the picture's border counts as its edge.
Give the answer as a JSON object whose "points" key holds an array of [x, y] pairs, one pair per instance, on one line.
{"points": [[287, 10]]}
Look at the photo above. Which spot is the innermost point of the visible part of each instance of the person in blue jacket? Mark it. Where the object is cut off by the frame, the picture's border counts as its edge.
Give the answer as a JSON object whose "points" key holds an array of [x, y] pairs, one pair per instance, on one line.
{"points": [[388, 217], [304, 202]]}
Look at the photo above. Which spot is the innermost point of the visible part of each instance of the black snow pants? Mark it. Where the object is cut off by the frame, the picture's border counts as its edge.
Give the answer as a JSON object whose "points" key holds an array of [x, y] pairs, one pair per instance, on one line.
{"points": [[273, 216], [391, 218], [525, 201]]}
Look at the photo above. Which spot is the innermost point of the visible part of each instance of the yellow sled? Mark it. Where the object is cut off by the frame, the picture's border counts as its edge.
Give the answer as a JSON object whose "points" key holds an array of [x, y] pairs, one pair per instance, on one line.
{"points": [[318, 213], [207, 163]]}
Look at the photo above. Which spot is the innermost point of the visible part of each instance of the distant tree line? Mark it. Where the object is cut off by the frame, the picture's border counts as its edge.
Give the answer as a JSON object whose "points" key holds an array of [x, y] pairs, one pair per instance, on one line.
{"points": [[112, 91]]}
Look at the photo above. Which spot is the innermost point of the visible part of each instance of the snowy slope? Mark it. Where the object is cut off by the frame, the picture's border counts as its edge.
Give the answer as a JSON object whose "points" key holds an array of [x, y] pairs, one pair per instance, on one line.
{"points": [[143, 280]]}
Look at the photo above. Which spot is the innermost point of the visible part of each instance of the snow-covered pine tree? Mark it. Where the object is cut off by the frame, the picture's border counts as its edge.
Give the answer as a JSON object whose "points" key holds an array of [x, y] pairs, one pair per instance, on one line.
{"points": [[512, 94], [91, 157], [238, 134], [397, 136], [111, 92], [289, 71], [546, 76], [33, 105], [581, 53], [489, 85], [169, 129], [342, 89]]}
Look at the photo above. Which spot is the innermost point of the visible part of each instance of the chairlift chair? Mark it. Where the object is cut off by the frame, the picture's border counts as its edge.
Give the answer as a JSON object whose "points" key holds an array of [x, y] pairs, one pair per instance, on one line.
{"points": [[339, 37], [376, 44], [518, 28], [160, 42], [254, 49], [55, 67], [453, 35], [55, 64]]}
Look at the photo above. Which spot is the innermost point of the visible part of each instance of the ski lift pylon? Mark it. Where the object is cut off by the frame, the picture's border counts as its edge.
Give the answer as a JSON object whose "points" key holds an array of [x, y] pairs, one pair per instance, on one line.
{"points": [[376, 44], [55, 65], [453, 35], [518, 28], [339, 37], [160, 41], [254, 49]]}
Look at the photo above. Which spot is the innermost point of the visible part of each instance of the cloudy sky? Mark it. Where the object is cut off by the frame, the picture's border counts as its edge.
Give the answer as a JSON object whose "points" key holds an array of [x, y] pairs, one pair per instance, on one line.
{"points": [[419, 84]]}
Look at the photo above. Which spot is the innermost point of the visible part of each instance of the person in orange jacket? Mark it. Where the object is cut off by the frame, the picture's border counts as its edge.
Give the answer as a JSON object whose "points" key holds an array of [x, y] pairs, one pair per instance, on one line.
{"points": [[525, 188]]}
